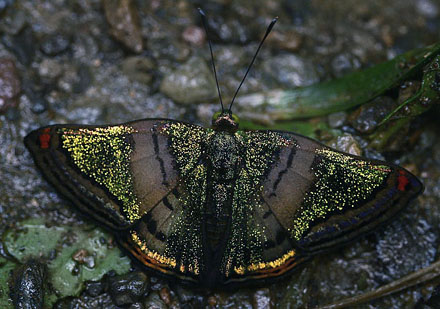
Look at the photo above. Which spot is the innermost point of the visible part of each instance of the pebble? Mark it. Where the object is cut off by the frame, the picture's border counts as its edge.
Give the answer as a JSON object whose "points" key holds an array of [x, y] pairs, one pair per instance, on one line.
{"points": [[369, 115], [13, 22], [194, 35], [10, 85], [128, 288], [55, 44], [347, 143], [21, 45], [165, 295], [336, 120], [123, 18], [192, 82], [291, 70], [261, 299], [4, 4], [154, 301], [343, 64], [289, 40], [27, 288], [136, 306], [94, 288], [50, 69], [100, 301], [139, 68]]}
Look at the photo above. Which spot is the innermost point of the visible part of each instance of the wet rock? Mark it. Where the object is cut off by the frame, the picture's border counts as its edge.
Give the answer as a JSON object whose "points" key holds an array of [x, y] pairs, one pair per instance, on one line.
{"points": [[80, 255], [100, 301], [194, 35], [261, 299], [10, 85], [291, 70], [347, 143], [75, 79], [190, 83], [432, 302], [428, 8], [212, 301], [122, 16], [27, 286], [188, 297], [84, 79], [21, 45], [369, 115], [344, 63], [229, 30], [128, 288], [139, 69], [336, 120], [13, 22], [154, 301], [4, 4], [55, 44], [289, 40], [94, 288], [83, 257], [409, 237], [37, 100], [165, 295], [50, 69]]}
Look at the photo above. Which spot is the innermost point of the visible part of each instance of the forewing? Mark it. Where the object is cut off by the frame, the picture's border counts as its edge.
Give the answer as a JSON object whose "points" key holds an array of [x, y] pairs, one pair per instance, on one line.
{"points": [[324, 197], [113, 173]]}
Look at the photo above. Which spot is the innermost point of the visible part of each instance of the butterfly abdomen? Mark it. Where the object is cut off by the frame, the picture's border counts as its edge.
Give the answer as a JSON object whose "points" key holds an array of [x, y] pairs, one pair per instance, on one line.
{"points": [[223, 161]]}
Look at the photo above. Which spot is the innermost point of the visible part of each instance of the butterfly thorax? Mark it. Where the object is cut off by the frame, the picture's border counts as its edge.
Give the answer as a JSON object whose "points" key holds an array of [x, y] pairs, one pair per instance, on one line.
{"points": [[224, 161]]}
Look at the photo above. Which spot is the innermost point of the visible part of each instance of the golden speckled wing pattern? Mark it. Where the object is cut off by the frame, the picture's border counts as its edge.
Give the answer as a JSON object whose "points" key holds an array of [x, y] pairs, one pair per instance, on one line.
{"points": [[258, 246], [90, 165], [324, 197], [168, 238]]}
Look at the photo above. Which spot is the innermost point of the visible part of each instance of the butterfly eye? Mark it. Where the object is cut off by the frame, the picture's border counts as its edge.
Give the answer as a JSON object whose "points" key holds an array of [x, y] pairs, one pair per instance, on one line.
{"points": [[215, 116], [235, 119]]}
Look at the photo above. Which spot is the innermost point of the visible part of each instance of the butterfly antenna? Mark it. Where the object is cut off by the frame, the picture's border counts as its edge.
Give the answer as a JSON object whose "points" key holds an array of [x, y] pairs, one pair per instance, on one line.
{"points": [[203, 16], [253, 59]]}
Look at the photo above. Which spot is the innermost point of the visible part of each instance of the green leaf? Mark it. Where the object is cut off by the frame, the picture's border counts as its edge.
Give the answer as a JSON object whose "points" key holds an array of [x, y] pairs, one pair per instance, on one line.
{"points": [[32, 238]]}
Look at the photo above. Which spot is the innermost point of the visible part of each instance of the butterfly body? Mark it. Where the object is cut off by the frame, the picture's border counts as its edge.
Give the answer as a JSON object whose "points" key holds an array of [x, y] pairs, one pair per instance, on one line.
{"points": [[219, 206]]}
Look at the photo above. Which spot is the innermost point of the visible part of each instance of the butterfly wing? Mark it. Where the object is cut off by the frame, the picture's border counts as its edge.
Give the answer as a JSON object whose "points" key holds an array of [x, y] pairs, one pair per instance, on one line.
{"points": [[309, 198], [168, 238], [135, 178], [106, 171]]}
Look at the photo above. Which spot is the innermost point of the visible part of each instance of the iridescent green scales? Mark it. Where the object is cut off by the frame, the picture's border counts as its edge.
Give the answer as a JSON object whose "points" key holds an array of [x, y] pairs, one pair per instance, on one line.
{"points": [[342, 183], [103, 154], [246, 244], [255, 152], [185, 236]]}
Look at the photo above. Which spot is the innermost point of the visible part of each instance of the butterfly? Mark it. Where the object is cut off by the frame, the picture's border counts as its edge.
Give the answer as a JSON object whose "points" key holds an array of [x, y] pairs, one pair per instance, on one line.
{"points": [[218, 206]]}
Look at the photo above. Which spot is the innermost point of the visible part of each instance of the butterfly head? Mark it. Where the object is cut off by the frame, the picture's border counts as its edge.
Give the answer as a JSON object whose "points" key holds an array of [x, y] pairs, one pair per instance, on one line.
{"points": [[225, 121]]}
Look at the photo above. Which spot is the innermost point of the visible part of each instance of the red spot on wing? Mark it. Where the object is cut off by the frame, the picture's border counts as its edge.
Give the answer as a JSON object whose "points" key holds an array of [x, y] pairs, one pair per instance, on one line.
{"points": [[45, 138], [402, 181]]}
